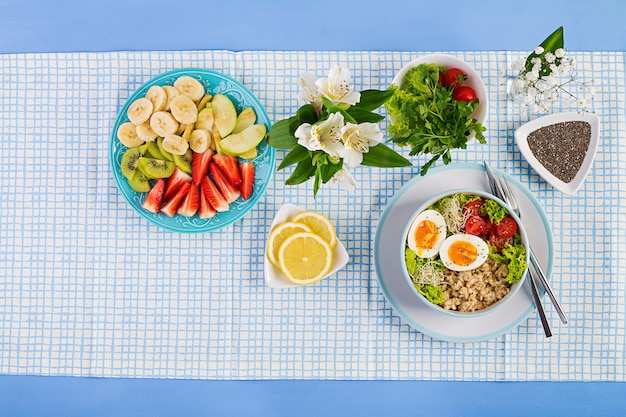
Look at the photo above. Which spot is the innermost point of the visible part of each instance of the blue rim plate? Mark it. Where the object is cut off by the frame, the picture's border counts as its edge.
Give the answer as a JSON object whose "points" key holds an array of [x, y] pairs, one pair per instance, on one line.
{"points": [[214, 83], [388, 243]]}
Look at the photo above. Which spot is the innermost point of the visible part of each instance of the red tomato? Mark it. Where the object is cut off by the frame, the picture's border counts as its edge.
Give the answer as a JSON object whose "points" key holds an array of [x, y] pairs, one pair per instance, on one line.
{"points": [[473, 208], [464, 94], [475, 225], [489, 228], [454, 77], [507, 227], [499, 242]]}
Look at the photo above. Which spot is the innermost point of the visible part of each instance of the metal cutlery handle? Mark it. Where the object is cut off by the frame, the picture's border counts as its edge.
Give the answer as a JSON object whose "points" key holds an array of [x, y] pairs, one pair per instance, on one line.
{"points": [[538, 305], [548, 287]]}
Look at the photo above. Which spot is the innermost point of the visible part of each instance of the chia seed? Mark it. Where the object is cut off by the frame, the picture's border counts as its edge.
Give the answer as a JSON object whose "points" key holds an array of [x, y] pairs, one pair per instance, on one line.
{"points": [[561, 147]]}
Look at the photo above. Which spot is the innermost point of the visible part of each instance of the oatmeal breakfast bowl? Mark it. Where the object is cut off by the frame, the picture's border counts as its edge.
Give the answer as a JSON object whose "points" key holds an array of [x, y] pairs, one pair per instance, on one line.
{"points": [[464, 253]]}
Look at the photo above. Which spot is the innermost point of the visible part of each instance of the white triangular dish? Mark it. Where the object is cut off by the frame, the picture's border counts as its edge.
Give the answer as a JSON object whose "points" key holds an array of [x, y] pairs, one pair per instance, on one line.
{"points": [[521, 139], [274, 277]]}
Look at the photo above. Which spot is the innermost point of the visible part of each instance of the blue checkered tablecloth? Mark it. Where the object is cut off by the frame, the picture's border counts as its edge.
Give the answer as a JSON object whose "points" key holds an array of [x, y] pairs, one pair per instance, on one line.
{"points": [[90, 288]]}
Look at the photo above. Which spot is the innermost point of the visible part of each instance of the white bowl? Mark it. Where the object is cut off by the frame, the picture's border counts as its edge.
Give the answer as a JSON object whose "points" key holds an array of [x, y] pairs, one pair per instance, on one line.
{"points": [[515, 287], [521, 139], [274, 277], [473, 80]]}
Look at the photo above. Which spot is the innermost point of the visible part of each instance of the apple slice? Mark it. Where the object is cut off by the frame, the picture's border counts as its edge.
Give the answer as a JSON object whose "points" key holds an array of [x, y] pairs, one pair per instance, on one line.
{"points": [[205, 118], [224, 114], [246, 118], [243, 142]]}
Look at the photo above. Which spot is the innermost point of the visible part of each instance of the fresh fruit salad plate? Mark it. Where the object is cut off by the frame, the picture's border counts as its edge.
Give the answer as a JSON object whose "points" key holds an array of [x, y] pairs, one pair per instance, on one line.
{"points": [[188, 150]]}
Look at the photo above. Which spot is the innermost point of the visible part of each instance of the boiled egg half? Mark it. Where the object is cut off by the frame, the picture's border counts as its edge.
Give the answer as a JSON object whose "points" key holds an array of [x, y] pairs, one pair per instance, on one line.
{"points": [[463, 252], [427, 233]]}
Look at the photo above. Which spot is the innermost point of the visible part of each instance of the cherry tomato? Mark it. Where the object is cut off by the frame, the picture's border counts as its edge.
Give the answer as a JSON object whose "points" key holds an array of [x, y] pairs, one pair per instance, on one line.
{"points": [[441, 79], [475, 225], [489, 228], [507, 227], [473, 208], [499, 242], [454, 77], [464, 93]]}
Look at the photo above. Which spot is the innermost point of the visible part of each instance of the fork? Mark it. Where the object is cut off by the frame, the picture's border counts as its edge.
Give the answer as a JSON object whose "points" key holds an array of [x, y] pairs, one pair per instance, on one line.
{"points": [[510, 199]]}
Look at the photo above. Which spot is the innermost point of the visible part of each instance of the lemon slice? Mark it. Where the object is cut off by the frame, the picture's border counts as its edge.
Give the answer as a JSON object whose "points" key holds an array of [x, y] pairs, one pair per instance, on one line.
{"points": [[278, 236], [319, 224], [305, 258]]}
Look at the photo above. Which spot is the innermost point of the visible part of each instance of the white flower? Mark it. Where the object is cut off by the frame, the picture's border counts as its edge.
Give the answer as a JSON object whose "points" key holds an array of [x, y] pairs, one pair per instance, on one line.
{"points": [[539, 50], [344, 179], [549, 57], [309, 92], [357, 140], [337, 88], [560, 53], [325, 136]]}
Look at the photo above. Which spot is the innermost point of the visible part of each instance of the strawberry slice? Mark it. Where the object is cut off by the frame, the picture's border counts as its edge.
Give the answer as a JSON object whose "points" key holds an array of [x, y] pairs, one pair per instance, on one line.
{"points": [[191, 203], [172, 205], [174, 182], [200, 165], [153, 200], [247, 178], [230, 167], [213, 195], [229, 192], [205, 211]]}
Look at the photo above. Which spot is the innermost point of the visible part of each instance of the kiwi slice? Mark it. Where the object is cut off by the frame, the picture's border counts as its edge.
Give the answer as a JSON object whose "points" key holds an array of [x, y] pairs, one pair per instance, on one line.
{"points": [[130, 160], [156, 168], [153, 151], [184, 161], [166, 155], [139, 182]]}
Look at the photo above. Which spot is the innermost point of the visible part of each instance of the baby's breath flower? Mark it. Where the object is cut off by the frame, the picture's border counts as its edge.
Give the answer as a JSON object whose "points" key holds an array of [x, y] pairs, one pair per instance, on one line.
{"points": [[560, 53], [549, 57], [539, 50]]}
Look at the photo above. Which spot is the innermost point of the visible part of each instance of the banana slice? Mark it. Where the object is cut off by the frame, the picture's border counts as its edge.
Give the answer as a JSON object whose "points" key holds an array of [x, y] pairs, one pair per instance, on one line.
{"points": [[163, 123], [190, 87], [200, 140], [184, 109], [157, 95], [127, 134], [145, 132], [175, 144], [171, 93], [140, 111]]}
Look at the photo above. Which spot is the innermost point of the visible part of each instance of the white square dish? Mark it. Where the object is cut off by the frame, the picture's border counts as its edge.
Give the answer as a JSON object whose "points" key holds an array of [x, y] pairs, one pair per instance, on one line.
{"points": [[274, 277], [521, 139]]}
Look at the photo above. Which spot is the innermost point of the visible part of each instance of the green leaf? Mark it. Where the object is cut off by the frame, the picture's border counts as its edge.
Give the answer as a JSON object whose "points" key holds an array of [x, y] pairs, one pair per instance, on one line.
{"points": [[281, 136], [550, 44], [384, 157], [318, 179], [327, 171], [297, 154], [361, 115], [307, 114], [334, 109], [373, 99], [304, 170]]}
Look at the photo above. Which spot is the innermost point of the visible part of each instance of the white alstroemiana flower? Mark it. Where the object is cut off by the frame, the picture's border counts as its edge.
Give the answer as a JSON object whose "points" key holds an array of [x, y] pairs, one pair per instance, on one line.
{"points": [[357, 140], [325, 136], [337, 88], [309, 91], [344, 179]]}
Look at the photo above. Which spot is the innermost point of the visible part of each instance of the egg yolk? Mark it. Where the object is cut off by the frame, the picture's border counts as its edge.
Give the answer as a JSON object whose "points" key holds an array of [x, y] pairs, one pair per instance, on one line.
{"points": [[462, 253], [426, 235]]}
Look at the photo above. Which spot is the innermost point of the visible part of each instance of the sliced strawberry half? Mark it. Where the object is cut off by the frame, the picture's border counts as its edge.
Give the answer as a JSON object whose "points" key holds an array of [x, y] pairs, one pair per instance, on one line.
{"points": [[213, 195], [229, 192], [174, 182], [191, 203], [230, 167], [247, 178], [171, 206], [205, 211], [200, 165], [154, 199]]}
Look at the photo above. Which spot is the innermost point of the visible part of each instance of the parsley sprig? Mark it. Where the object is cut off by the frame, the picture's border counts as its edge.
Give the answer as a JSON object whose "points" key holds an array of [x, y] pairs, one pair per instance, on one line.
{"points": [[424, 116]]}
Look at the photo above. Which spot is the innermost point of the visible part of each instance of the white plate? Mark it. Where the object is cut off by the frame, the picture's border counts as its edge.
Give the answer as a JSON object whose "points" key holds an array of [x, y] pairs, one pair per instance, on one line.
{"points": [[521, 139], [274, 277], [388, 249]]}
